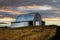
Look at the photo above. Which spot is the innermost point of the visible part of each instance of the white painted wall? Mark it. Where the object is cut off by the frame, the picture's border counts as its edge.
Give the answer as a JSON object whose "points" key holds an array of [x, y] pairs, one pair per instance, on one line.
{"points": [[37, 23], [22, 24]]}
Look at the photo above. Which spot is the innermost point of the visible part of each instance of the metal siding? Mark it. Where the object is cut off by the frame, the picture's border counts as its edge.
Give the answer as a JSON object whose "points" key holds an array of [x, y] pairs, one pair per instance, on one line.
{"points": [[26, 17], [22, 24], [37, 18]]}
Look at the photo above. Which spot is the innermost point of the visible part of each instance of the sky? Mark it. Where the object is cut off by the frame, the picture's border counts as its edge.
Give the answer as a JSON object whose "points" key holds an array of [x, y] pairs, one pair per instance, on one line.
{"points": [[49, 9]]}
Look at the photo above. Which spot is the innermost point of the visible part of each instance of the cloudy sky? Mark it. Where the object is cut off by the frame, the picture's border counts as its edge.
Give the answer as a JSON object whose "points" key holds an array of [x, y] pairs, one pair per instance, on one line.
{"points": [[49, 9]]}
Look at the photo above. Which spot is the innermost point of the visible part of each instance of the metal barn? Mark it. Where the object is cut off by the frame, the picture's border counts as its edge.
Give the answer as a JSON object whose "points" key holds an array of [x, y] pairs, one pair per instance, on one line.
{"points": [[31, 19]]}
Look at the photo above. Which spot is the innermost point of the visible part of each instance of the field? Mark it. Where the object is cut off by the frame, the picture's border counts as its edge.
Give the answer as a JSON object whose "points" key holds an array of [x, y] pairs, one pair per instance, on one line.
{"points": [[28, 33]]}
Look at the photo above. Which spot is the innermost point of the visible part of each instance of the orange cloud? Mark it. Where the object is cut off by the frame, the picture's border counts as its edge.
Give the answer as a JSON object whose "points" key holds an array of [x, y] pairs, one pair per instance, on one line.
{"points": [[35, 7]]}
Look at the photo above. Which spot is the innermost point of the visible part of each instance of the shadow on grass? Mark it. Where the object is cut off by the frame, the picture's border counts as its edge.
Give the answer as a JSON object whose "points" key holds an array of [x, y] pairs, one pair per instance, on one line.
{"points": [[57, 36]]}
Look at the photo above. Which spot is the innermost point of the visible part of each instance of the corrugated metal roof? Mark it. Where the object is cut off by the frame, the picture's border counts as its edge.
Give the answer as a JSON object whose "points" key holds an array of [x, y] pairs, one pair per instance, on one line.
{"points": [[26, 17]]}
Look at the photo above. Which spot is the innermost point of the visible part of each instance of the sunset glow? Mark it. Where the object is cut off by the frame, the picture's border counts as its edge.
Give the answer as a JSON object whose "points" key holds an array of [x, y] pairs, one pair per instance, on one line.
{"points": [[49, 9], [6, 19], [34, 7], [52, 21]]}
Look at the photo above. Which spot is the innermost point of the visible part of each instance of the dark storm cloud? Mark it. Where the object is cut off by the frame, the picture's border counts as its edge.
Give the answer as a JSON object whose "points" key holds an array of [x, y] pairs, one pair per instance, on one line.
{"points": [[29, 2], [46, 14], [7, 14], [49, 14]]}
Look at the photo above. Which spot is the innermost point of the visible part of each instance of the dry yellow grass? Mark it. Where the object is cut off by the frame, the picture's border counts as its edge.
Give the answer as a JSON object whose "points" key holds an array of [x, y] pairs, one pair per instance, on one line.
{"points": [[27, 33]]}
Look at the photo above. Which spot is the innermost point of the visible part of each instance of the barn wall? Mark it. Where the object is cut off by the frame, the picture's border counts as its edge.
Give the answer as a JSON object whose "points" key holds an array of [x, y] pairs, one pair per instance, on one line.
{"points": [[22, 24], [37, 18]]}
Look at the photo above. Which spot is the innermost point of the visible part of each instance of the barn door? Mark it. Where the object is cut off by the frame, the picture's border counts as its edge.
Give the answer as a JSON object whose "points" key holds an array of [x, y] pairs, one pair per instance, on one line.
{"points": [[30, 23]]}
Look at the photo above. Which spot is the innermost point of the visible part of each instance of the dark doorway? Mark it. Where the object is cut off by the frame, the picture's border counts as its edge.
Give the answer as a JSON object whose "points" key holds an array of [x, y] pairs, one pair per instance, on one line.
{"points": [[43, 23], [30, 23]]}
